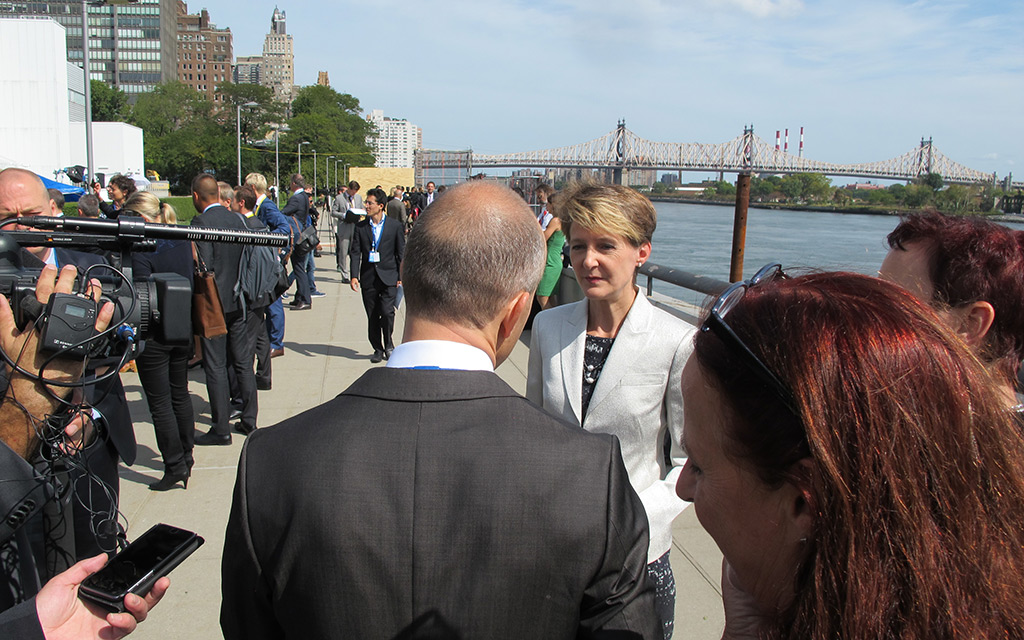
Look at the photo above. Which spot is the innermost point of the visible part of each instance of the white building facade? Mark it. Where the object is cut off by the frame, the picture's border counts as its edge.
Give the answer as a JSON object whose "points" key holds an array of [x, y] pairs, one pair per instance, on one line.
{"points": [[395, 142]]}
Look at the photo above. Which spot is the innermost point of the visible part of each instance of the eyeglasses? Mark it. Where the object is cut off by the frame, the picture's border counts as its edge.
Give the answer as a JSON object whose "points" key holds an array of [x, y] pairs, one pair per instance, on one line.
{"points": [[715, 321]]}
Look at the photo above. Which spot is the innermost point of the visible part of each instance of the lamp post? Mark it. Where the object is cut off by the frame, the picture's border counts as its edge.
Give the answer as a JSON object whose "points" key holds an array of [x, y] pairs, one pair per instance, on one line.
{"points": [[345, 175], [277, 160], [300, 156], [314, 174], [328, 180], [238, 132], [88, 88]]}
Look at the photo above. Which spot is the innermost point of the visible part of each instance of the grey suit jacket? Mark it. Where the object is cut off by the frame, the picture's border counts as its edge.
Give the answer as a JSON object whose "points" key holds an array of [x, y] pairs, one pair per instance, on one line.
{"points": [[638, 397], [420, 490]]}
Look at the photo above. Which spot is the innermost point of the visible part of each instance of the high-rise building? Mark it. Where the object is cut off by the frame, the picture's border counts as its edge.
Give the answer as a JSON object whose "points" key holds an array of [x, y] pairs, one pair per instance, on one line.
{"points": [[132, 48], [204, 52], [395, 141], [277, 69], [247, 69]]}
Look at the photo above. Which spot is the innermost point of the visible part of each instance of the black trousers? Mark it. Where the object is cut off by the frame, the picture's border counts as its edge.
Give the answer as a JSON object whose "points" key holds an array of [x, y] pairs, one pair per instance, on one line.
{"points": [[240, 344], [303, 292], [163, 372], [261, 338], [379, 302]]}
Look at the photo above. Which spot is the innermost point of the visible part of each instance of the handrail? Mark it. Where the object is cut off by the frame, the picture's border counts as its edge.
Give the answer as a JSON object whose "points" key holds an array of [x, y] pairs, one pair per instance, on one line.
{"points": [[687, 280]]}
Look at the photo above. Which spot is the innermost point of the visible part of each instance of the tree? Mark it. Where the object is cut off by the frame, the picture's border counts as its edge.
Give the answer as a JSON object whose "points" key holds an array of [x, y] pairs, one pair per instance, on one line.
{"points": [[108, 104], [332, 124], [932, 180]]}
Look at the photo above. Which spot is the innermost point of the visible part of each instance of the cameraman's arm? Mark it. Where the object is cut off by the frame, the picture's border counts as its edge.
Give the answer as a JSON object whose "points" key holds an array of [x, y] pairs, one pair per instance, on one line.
{"points": [[26, 399]]}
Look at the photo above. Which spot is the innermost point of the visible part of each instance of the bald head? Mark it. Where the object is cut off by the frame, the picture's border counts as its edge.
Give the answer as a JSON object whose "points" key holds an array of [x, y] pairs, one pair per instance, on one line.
{"points": [[473, 250], [22, 193], [205, 191]]}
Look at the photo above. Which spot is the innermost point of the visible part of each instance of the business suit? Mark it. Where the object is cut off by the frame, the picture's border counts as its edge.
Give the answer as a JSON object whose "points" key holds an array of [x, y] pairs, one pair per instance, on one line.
{"points": [[378, 281], [638, 396], [298, 207], [343, 231], [223, 259], [402, 495]]}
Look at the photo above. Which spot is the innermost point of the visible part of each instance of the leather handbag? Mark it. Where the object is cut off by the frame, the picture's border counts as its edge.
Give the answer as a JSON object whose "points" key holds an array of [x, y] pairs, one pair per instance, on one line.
{"points": [[308, 240], [207, 312]]}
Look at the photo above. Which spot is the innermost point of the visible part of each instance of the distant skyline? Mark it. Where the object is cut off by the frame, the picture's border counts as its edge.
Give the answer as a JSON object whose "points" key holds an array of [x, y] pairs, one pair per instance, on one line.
{"points": [[866, 80]]}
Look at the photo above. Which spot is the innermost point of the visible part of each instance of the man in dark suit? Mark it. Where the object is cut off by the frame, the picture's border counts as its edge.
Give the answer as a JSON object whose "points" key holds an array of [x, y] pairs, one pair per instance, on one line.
{"points": [[430, 487], [375, 265], [222, 259], [298, 208], [276, 222]]}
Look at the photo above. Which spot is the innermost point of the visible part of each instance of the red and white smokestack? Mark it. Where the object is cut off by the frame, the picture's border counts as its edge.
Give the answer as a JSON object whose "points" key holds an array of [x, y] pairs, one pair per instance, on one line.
{"points": [[801, 142], [786, 149], [777, 139]]}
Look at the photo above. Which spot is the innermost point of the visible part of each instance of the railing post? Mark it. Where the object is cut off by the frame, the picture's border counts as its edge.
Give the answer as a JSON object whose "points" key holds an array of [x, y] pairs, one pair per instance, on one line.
{"points": [[739, 227]]}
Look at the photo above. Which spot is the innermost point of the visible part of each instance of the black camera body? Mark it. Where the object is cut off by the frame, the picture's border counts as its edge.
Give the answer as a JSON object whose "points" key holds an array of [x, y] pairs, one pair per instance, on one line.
{"points": [[157, 307]]}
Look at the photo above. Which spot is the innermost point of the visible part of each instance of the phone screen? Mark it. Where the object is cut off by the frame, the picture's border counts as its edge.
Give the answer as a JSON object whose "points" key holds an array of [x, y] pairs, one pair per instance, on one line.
{"points": [[139, 559]]}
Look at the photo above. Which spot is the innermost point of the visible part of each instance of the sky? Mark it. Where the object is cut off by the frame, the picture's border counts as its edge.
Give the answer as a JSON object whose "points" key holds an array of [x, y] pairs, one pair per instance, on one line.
{"points": [[867, 79]]}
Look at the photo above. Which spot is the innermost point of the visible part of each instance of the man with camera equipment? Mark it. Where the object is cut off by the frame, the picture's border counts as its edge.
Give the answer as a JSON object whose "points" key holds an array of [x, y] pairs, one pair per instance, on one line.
{"points": [[432, 486], [23, 194], [276, 222], [53, 611], [223, 260], [298, 208]]}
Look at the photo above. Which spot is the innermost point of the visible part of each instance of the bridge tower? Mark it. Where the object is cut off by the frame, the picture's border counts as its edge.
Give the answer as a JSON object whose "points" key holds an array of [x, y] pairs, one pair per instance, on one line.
{"points": [[925, 157], [747, 161], [620, 153]]}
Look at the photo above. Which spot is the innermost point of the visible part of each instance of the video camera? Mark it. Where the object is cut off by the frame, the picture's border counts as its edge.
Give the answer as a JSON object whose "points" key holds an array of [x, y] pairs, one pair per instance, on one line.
{"points": [[158, 306]]}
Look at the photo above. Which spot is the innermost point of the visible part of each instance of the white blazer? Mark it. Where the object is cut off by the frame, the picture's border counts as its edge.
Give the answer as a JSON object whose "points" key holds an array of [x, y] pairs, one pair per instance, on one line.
{"points": [[637, 398]]}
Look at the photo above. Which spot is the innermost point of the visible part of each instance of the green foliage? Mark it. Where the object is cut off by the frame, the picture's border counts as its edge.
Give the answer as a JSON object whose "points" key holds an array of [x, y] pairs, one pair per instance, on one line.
{"points": [[108, 104], [932, 180], [659, 187], [332, 124]]}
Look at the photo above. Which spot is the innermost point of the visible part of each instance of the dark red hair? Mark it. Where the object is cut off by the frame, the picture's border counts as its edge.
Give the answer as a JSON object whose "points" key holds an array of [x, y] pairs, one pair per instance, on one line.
{"points": [[912, 465], [969, 260]]}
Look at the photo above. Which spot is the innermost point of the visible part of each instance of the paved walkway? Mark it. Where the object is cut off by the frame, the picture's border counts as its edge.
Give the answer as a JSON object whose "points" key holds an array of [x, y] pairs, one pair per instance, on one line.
{"points": [[326, 349]]}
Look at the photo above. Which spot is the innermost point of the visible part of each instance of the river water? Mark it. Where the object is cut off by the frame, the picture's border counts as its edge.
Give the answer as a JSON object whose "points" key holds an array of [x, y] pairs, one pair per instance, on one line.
{"points": [[698, 238]]}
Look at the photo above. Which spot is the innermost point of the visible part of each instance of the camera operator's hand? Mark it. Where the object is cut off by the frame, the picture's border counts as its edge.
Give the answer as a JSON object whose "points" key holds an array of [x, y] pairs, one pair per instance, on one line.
{"points": [[63, 615], [27, 397]]}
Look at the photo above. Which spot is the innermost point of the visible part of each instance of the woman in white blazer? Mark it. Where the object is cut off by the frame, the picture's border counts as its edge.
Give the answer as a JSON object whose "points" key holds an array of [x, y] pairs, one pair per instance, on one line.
{"points": [[613, 363]]}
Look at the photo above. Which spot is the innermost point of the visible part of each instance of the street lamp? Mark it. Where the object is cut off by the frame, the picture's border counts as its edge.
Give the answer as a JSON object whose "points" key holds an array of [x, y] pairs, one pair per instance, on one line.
{"points": [[328, 180], [300, 156], [238, 132], [85, 69], [314, 174]]}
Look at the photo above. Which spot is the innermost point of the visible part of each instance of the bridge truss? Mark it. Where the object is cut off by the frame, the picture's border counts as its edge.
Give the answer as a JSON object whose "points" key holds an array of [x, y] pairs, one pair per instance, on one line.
{"points": [[622, 150]]}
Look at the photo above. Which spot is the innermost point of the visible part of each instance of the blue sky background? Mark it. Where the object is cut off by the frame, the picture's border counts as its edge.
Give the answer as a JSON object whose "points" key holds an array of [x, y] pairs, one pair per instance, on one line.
{"points": [[867, 80]]}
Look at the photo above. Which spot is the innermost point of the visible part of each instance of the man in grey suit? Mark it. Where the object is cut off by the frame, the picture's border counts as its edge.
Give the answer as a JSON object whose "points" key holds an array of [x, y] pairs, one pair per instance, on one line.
{"points": [[344, 225], [430, 487]]}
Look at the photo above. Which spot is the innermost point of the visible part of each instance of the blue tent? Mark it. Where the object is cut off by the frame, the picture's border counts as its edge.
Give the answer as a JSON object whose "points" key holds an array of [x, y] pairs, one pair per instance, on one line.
{"points": [[71, 192]]}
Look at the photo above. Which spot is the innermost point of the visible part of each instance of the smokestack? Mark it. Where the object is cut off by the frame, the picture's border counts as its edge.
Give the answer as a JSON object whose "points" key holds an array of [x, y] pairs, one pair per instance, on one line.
{"points": [[777, 139], [787, 141], [801, 142]]}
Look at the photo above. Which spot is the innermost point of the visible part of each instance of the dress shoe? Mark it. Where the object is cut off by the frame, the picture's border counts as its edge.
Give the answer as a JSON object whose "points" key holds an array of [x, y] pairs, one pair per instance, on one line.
{"points": [[387, 354], [235, 414], [263, 385], [171, 480], [277, 353], [213, 438], [242, 429], [346, 281], [377, 356], [300, 307]]}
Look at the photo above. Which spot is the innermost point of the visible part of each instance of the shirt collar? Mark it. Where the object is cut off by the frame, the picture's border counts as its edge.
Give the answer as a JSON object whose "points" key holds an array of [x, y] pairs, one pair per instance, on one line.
{"points": [[208, 207], [439, 354]]}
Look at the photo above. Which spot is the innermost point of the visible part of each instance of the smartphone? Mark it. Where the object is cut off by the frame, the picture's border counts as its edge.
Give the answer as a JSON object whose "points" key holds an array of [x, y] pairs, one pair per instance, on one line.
{"points": [[139, 566]]}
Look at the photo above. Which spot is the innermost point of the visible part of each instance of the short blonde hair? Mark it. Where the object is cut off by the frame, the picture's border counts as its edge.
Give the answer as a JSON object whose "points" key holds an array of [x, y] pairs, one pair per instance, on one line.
{"points": [[610, 208], [258, 182]]}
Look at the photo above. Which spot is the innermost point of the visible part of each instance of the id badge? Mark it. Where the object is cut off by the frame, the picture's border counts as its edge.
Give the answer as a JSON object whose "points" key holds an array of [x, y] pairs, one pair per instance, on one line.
{"points": [[374, 256]]}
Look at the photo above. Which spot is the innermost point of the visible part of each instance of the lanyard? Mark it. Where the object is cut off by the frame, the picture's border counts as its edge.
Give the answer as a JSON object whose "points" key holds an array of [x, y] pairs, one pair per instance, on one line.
{"points": [[376, 229]]}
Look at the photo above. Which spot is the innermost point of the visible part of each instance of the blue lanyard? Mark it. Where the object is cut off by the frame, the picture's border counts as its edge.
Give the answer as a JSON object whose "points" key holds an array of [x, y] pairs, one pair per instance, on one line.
{"points": [[376, 229]]}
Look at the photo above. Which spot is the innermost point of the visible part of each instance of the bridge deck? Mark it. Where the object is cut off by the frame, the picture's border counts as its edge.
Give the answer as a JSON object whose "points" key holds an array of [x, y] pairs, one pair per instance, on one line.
{"points": [[325, 351]]}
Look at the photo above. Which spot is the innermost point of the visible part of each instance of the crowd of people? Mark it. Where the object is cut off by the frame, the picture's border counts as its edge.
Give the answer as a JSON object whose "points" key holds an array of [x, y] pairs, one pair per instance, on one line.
{"points": [[854, 445]]}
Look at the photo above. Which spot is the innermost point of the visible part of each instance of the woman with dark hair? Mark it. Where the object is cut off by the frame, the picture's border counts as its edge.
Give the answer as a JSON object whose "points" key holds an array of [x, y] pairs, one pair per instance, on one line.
{"points": [[855, 464], [612, 363], [120, 188], [163, 369]]}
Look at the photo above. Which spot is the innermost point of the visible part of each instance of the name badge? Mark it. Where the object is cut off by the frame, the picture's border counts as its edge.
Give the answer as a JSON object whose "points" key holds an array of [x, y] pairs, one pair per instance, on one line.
{"points": [[374, 256]]}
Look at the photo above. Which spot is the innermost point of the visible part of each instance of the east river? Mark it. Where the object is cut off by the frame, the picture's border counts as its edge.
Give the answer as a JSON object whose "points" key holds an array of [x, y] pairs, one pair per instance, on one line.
{"points": [[698, 239]]}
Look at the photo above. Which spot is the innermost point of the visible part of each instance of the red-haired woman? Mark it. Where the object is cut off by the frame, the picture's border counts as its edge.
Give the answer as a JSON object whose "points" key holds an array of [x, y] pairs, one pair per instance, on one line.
{"points": [[855, 464]]}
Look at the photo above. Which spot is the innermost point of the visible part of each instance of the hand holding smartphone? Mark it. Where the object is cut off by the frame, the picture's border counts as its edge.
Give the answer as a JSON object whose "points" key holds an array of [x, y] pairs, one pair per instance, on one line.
{"points": [[153, 555]]}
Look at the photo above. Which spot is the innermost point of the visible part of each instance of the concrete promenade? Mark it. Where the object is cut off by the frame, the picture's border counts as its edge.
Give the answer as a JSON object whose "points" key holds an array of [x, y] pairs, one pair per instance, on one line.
{"points": [[326, 349]]}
